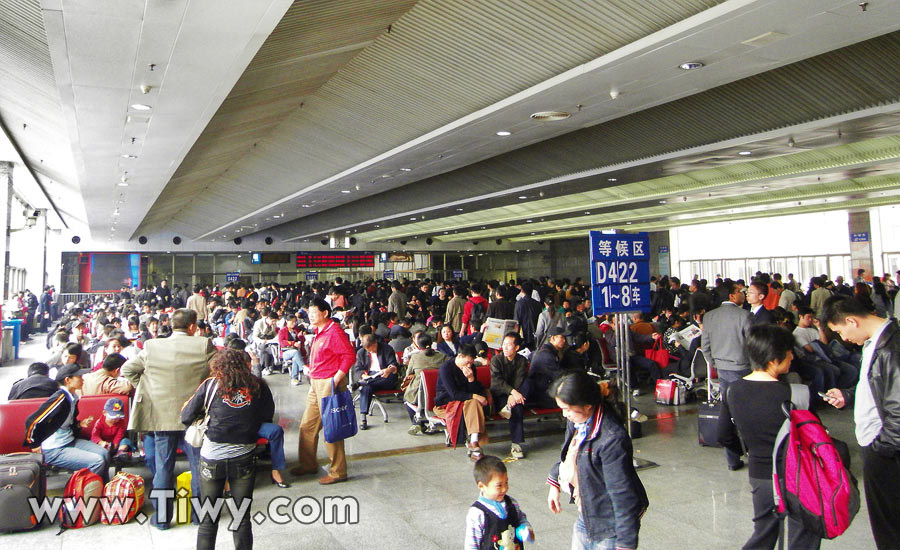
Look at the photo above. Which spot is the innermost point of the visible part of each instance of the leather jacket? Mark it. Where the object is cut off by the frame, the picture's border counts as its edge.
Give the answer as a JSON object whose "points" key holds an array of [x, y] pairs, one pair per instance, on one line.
{"points": [[884, 379]]}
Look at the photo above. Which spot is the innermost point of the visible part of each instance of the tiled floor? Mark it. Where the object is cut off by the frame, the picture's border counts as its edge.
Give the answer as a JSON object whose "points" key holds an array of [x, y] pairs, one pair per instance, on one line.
{"points": [[418, 498]]}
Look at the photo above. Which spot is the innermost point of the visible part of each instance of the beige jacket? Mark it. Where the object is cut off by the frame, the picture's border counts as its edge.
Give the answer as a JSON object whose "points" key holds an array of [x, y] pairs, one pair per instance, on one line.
{"points": [[166, 374], [100, 383], [198, 304]]}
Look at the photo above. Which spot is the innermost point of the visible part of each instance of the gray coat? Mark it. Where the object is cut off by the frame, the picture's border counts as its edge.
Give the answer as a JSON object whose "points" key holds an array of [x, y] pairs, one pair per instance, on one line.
{"points": [[166, 373], [725, 330]]}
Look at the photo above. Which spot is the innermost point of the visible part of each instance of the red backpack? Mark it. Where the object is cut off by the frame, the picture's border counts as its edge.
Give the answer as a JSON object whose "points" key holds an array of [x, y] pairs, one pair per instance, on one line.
{"points": [[812, 483], [83, 491]]}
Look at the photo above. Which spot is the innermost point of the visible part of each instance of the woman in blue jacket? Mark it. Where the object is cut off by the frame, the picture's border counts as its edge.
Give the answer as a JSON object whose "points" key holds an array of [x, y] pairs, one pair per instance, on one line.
{"points": [[596, 469]]}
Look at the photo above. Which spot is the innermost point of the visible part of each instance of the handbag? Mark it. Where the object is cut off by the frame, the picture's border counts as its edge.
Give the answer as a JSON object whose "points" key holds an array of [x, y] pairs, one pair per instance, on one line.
{"points": [[407, 381], [338, 415], [197, 430], [658, 354]]}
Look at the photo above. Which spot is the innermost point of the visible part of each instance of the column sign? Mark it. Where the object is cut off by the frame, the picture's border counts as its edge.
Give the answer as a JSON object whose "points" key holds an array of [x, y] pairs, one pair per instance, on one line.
{"points": [[620, 272], [859, 237], [312, 275], [232, 276]]}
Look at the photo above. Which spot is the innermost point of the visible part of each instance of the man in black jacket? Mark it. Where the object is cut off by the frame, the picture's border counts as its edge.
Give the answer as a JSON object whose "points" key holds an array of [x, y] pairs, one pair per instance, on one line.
{"points": [[508, 371], [526, 313], [375, 369], [500, 308], [37, 384], [876, 401], [545, 368]]}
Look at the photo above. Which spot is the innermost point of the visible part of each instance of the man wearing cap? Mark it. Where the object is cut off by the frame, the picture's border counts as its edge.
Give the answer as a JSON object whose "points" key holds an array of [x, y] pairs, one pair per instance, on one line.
{"points": [[545, 368], [166, 373], [54, 426]]}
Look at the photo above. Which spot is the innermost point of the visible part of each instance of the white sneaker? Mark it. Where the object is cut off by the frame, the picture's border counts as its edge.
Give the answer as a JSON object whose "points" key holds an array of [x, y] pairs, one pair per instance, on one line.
{"points": [[638, 416], [295, 382], [267, 372], [516, 451]]}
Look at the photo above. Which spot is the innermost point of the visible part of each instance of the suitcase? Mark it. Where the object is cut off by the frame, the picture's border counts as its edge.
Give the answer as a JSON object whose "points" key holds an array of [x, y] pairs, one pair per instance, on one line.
{"points": [[22, 476], [708, 423]]}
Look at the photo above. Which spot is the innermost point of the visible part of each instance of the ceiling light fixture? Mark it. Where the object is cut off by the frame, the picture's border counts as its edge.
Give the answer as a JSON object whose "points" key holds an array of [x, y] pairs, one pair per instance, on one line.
{"points": [[611, 179], [345, 191], [503, 133], [587, 213], [522, 197], [412, 219], [129, 156], [745, 153], [459, 209], [305, 206], [406, 169], [140, 107], [550, 116], [690, 65], [528, 221]]}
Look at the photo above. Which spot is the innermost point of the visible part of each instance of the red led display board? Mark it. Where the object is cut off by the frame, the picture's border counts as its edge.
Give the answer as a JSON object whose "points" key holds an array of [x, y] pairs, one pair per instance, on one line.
{"points": [[334, 260]]}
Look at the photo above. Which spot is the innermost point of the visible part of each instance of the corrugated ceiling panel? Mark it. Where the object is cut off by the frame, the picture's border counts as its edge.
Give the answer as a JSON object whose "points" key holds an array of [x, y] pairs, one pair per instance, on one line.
{"points": [[853, 78], [441, 61]]}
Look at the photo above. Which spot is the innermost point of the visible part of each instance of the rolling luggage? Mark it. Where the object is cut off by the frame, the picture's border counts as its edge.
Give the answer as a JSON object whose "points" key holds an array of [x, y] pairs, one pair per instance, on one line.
{"points": [[708, 423], [22, 476]]}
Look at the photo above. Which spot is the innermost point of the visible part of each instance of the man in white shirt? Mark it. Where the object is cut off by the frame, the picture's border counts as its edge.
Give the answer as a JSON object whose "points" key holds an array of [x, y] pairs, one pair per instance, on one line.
{"points": [[876, 410]]}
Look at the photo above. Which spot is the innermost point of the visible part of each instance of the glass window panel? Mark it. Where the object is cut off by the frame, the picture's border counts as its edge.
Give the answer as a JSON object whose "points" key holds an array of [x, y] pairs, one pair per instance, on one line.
{"points": [[779, 265], [793, 266], [765, 265]]}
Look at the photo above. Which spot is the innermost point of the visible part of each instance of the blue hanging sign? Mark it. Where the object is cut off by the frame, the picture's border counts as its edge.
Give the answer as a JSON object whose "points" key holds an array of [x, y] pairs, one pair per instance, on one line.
{"points": [[620, 272]]}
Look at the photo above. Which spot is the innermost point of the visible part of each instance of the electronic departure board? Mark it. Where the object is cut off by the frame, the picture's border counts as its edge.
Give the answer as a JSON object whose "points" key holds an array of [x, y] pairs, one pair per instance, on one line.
{"points": [[335, 260]]}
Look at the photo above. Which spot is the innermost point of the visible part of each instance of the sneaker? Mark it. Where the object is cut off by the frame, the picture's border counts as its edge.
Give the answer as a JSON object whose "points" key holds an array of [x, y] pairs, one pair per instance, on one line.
{"points": [[295, 382], [505, 412], [415, 429], [637, 393], [266, 371], [638, 416], [516, 451]]}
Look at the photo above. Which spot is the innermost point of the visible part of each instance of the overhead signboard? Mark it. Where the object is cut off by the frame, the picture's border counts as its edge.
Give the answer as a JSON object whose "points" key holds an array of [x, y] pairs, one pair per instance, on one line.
{"points": [[458, 274], [334, 260], [620, 272], [232, 276], [312, 276], [389, 275], [859, 237]]}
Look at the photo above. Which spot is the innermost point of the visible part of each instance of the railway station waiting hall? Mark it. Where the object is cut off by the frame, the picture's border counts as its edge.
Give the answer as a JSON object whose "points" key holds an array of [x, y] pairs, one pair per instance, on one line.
{"points": [[428, 274]]}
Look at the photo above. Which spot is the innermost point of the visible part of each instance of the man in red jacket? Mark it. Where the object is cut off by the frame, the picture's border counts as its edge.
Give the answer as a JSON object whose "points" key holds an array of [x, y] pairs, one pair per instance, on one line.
{"points": [[477, 290], [330, 359]]}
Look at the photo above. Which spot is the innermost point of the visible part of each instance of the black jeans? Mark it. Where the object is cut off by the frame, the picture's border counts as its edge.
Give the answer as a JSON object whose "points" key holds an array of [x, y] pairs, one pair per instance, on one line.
{"points": [[516, 417], [881, 482], [766, 523], [240, 473], [727, 377], [369, 386]]}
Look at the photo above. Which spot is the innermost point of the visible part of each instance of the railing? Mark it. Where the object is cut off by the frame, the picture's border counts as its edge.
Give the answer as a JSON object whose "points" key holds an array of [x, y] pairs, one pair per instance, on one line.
{"points": [[64, 298]]}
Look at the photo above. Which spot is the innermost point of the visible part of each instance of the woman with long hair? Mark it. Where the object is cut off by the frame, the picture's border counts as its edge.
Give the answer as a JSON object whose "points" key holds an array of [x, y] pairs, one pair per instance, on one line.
{"points": [[447, 341], [596, 468], [237, 404]]}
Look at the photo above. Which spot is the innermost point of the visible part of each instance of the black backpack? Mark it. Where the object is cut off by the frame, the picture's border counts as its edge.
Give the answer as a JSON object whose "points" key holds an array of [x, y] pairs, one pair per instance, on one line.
{"points": [[479, 313]]}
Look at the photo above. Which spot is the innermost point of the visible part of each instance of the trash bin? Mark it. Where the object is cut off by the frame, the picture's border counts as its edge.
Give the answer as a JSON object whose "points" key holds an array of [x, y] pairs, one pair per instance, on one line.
{"points": [[16, 324], [6, 345]]}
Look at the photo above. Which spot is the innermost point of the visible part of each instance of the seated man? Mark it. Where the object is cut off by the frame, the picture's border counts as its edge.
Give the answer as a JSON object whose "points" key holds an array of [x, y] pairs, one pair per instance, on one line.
{"points": [[460, 400], [425, 358], [54, 426], [106, 379], [400, 335], [545, 368], [37, 384], [375, 369], [508, 370]]}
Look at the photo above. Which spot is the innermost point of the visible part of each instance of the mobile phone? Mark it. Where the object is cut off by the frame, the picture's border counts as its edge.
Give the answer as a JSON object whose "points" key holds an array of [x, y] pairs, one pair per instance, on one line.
{"points": [[824, 395]]}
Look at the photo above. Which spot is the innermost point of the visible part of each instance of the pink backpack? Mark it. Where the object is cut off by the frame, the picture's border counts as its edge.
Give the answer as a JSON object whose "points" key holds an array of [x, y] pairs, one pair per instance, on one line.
{"points": [[812, 484]]}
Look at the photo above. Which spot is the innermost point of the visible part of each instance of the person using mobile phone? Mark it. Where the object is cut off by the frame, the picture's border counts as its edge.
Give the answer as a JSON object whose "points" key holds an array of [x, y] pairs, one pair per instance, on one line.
{"points": [[876, 409]]}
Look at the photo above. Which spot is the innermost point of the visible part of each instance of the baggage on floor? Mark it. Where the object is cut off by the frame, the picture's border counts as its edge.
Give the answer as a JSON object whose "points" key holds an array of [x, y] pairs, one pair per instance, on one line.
{"points": [[670, 392], [128, 490], [708, 423], [22, 476], [81, 500]]}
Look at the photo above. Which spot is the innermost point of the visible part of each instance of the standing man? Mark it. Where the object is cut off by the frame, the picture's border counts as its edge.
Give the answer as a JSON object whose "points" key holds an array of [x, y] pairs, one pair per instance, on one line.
{"points": [[164, 294], [756, 296], [166, 373], [330, 359], [725, 330], [527, 312], [197, 302], [397, 301], [455, 308], [45, 304], [876, 410]]}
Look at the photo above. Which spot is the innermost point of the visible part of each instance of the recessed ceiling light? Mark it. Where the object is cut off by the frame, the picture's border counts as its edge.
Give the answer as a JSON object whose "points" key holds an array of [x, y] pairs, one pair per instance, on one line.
{"points": [[611, 179], [459, 209], [503, 133], [122, 183], [627, 223], [305, 206], [446, 232], [528, 221], [690, 65], [347, 232], [412, 219], [345, 191], [376, 225], [406, 169], [140, 107], [587, 213], [129, 156], [549, 116], [522, 197], [765, 186], [275, 216], [745, 153]]}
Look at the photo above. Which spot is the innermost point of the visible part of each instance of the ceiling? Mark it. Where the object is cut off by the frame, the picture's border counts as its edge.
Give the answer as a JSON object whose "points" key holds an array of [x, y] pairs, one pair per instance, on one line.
{"points": [[379, 118]]}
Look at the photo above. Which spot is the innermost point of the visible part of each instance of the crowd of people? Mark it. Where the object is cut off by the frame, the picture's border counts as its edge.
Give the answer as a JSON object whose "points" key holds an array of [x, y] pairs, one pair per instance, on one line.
{"points": [[213, 348]]}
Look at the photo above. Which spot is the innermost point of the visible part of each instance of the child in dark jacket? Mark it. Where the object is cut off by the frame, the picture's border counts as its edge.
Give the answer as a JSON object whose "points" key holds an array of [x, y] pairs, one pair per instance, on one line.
{"points": [[495, 520]]}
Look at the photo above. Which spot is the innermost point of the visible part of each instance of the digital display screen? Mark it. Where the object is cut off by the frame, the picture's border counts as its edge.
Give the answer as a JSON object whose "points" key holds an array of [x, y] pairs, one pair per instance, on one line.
{"points": [[255, 258], [334, 260], [113, 271]]}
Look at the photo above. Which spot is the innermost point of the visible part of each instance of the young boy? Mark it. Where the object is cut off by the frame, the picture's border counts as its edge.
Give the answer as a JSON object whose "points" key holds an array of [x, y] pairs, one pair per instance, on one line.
{"points": [[109, 431], [495, 512]]}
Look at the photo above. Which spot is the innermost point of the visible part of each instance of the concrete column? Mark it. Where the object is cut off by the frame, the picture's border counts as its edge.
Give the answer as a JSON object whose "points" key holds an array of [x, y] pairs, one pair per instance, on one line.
{"points": [[660, 253], [6, 192], [860, 243]]}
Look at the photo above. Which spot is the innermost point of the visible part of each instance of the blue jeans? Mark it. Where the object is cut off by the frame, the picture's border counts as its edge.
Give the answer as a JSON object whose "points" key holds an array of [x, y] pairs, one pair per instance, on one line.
{"points": [[581, 541], [159, 448], [80, 454], [296, 359], [275, 434]]}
